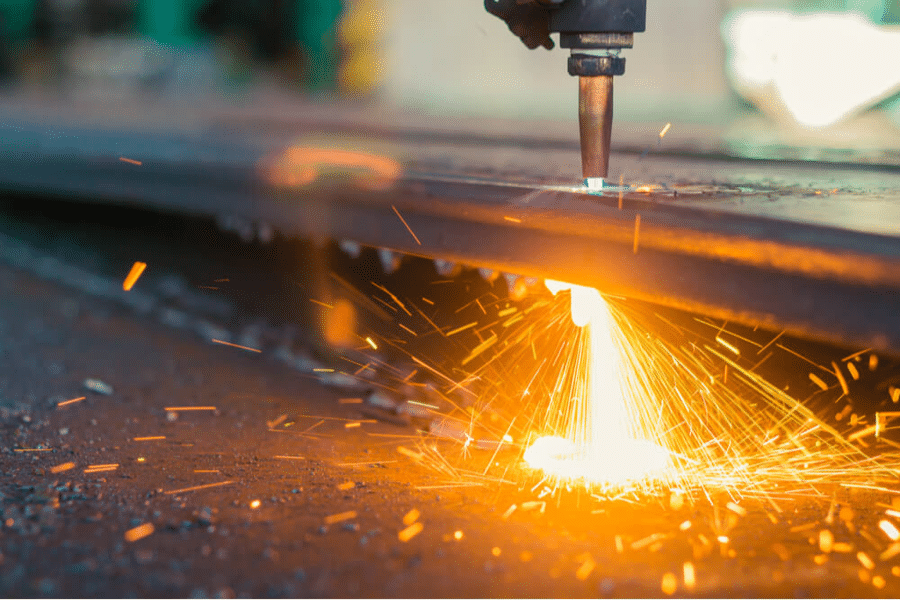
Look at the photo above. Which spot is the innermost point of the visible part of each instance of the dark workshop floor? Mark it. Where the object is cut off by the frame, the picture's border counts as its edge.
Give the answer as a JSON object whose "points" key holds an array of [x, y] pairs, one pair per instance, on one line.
{"points": [[65, 532]]}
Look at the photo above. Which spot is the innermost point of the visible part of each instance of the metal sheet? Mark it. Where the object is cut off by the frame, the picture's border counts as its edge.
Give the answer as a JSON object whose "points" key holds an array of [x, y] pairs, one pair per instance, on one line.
{"points": [[808, 247]]}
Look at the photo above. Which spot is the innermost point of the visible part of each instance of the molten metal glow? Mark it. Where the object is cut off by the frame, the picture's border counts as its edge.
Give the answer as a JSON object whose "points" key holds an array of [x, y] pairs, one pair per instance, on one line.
{"points": [[605, 443]]}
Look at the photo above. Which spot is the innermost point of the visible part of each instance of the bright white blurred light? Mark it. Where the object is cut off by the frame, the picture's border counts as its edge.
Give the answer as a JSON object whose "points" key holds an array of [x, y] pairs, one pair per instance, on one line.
{"points": [[825, 67], [603, 444]]}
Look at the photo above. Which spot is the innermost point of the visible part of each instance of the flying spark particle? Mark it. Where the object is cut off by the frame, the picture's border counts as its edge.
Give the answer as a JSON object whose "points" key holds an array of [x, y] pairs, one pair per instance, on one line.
{"points": [[197, 487], [665, 130], [346, 486], [352, 425], [889, 529], [461, 329], [182, 408], [255, 504], [737, 509], [495, 551], [350, 400], [147, 438], [140, 532], [669, 584], [411, 517], [826, 541], [685, 525], [31, 449], [289, 457], [621, 189], [136, 269], [141, 459], [410, 532], [62, 467], [458, 535], [818, 381], [512, 219], [864, 560], [895, 571], [320, 303], [873, 362], [224, 343], [372, 343], [840, 378], [637, 232], [728, 345], [206, 470], [337, 518], [130, 161], [690, 576], [723, 539], [586, 568], [72, 401], [405, 224], [879, 582]]}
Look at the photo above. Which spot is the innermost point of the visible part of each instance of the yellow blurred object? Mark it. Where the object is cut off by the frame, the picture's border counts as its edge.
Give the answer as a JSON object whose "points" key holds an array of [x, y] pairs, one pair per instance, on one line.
{"points": [[361, 32]]}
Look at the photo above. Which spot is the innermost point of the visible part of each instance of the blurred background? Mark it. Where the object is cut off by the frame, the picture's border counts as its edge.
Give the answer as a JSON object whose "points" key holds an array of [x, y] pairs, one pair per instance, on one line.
{"points": [[814, 72]]}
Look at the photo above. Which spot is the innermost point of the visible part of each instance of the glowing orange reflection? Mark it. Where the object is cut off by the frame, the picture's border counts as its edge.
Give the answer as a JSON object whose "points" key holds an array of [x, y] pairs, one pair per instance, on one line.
{"points": [[300, 166]]}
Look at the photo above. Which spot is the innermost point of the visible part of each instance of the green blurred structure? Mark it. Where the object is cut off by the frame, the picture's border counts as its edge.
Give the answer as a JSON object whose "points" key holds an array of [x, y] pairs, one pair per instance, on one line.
{"points": [[309, 25]]}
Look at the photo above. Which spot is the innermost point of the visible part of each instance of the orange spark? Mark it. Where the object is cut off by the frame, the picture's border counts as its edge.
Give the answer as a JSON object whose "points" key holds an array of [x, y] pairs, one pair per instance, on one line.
{"points": [[637, 232], [72, 401], [62, 467], [147, 438], [410, 532], [337, 518], [136, 269], [130, 161], [236, 345], [408, 228], [177, 408], [139, 532], [411, 517], [512, 219], [197, 487]]}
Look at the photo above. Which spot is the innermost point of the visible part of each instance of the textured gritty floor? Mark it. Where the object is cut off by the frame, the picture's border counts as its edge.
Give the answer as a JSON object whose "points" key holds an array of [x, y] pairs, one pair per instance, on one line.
{"points": [[65, 533]]}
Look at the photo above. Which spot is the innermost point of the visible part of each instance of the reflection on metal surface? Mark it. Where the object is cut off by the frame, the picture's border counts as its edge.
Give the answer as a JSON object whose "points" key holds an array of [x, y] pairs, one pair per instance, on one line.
{"points": [[299, 166]]}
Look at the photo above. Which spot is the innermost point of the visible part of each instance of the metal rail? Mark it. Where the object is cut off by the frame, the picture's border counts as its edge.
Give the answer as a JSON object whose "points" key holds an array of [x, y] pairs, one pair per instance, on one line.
{"points": [[781, 256]]}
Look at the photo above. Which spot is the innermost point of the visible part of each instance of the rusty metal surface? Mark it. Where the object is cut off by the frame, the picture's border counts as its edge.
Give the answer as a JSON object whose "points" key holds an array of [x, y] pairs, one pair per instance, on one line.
{"points": [[807, 247]]}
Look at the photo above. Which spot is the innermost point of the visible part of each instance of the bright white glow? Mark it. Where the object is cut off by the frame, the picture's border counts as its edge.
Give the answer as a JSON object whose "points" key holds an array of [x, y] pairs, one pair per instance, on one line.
{"points": [[824, 67], [603, 444]]}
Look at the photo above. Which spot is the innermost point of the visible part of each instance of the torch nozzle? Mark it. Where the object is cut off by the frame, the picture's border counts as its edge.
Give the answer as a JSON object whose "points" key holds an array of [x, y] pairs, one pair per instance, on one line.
{"points": [[595, 111]]}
